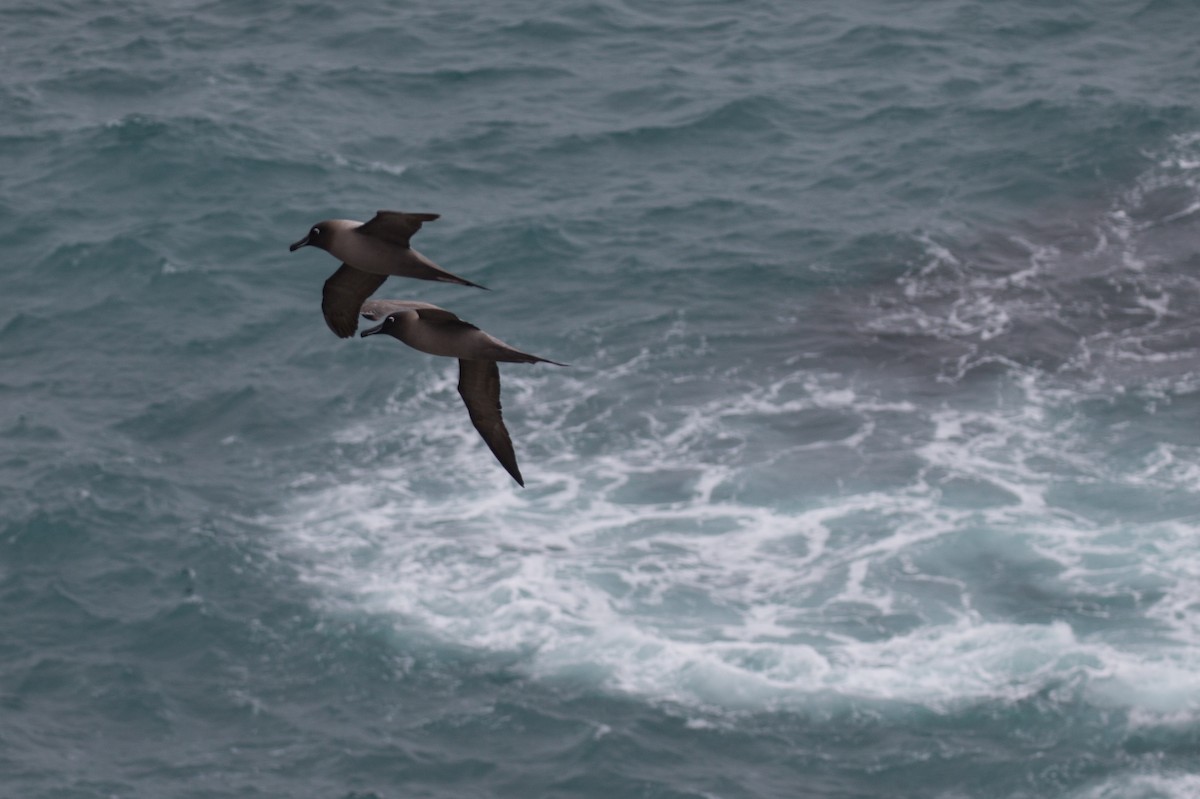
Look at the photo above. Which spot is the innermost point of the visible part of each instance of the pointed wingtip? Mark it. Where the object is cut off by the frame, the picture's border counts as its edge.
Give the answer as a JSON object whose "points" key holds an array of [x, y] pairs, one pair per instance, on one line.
{"points": [[458, 281], [339, 330], [511, 467]]}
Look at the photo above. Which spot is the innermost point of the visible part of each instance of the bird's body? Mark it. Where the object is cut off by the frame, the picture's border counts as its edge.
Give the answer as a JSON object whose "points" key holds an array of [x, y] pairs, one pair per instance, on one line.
{"points": [[364, 247], [370, 252], [436, 331]]}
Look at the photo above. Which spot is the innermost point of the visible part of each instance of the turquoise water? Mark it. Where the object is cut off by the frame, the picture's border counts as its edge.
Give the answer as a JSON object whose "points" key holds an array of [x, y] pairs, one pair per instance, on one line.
{"points": [[876, 471]]}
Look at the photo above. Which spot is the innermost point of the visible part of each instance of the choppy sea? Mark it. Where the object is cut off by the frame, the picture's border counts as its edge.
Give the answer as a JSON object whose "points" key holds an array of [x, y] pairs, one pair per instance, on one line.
{"points": [[875, 473]]}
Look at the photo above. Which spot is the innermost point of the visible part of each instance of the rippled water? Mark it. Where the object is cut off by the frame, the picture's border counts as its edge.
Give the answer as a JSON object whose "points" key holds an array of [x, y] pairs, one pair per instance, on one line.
{"points": [[874, 473]]}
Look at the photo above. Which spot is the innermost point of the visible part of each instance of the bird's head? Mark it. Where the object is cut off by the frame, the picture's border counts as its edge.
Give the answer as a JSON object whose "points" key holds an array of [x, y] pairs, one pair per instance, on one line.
{"points": [[316, 237], [390, 325]]}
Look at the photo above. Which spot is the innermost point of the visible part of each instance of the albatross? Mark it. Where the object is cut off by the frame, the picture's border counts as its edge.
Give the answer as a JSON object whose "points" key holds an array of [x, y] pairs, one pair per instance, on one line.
{"points": [[370, 252], [436, 331]]}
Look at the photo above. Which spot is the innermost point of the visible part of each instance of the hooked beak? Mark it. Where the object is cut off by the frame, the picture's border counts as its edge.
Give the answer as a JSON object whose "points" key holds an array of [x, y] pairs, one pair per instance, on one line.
{"points": [[370, 331], [302, 243]]}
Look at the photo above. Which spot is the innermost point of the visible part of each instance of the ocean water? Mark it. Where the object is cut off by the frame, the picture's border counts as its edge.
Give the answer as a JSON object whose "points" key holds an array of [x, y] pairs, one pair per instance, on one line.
{"points": [[875, 473]]}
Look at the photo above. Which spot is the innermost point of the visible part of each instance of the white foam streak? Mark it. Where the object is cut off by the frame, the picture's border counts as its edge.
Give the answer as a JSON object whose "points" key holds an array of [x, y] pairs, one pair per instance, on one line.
{"points": [[705, 598], [1145, 786], [358, 165]]}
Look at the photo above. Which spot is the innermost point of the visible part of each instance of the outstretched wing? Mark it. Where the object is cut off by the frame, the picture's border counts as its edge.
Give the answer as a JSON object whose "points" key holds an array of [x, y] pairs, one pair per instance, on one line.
{"points": [[344, 293], [479, 386], [395, 226], [377, 309]]}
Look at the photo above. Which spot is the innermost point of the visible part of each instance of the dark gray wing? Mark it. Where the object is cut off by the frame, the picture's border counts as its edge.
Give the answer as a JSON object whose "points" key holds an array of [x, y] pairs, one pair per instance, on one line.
{"points": [[377, 309], [432, 313], [344, 293], [395, 226], [479, 386]]}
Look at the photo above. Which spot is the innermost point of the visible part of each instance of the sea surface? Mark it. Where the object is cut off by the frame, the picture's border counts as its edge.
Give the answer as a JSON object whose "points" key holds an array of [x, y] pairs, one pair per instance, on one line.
{"points": [[875, 472]]}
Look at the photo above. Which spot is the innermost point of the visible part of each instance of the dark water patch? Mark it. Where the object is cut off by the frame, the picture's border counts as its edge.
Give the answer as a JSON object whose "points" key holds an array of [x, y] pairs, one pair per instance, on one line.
{"points": [[1055, 297], [1174, 742], [1163, 205]]}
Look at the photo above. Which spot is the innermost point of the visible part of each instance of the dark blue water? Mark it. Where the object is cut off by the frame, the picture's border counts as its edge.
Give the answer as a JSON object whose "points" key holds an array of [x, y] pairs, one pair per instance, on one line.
{"points": [[876, 472]]}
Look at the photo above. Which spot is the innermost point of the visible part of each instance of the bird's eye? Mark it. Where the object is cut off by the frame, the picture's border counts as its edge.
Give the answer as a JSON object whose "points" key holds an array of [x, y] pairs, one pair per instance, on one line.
{"points": [[315, 231]]}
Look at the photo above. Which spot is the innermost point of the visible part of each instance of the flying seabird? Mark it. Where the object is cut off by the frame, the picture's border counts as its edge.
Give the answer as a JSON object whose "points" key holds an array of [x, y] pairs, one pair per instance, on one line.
{"points": [[437, 331], [369, 251]]}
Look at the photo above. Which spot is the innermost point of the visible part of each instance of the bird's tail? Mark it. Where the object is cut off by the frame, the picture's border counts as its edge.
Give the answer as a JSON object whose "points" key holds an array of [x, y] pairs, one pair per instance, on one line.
{"points": [[516, 356]]}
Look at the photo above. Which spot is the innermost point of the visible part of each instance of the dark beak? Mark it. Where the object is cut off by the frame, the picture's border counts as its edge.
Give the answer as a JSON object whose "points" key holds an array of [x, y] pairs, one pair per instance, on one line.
{"points": [[303, 242], [370, 331]]}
